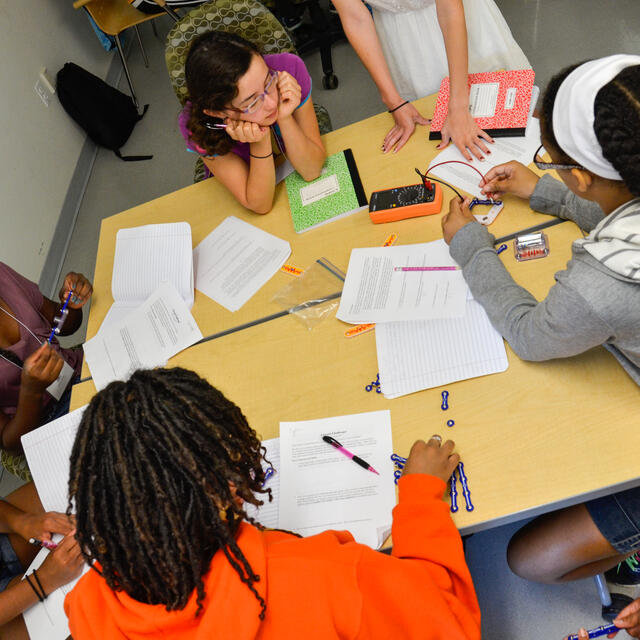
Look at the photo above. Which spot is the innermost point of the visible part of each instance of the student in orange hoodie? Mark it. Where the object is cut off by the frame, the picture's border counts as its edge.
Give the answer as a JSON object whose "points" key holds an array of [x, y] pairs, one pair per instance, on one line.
{"points": [[160, 470]]}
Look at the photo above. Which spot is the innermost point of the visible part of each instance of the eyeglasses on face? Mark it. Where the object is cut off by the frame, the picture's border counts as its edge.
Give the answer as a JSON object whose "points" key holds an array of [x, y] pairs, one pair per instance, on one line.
{"points": [[257, 102], [546, 166]]}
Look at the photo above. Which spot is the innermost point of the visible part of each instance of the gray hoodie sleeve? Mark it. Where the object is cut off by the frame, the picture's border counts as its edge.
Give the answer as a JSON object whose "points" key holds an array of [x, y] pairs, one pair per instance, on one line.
{"points": [[562, 325], [554, 197]]}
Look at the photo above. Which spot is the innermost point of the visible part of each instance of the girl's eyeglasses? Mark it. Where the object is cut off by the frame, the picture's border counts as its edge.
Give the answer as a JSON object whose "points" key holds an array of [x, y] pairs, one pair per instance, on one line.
{"points": [[545, 166], [255, 104]]}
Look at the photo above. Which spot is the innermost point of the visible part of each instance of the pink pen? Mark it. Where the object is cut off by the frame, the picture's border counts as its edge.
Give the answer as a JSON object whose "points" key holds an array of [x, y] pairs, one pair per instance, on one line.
{"points": [[426, 268], [47, 544], [334, 443]]}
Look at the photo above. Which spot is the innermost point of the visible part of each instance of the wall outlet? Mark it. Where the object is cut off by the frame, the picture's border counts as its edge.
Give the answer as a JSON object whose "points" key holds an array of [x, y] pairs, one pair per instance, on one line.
{"points": [[41, 90]]}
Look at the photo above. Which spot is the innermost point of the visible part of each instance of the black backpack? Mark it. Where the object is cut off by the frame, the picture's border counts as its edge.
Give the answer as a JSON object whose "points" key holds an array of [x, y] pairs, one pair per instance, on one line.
{"points": [[106, 114]]}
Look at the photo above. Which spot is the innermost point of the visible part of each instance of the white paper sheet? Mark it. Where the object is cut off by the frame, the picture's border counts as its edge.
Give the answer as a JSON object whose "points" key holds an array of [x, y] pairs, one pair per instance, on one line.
{"points": [[520, 148], [419, 355], [146, 338], [321, 489], [267, 514], [235, 260], [374, 292], [48, 450], [144, 257]]}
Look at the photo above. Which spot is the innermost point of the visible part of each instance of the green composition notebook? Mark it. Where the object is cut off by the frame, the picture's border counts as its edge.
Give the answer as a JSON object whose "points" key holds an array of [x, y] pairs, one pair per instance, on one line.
{"points": [[336, 193]]}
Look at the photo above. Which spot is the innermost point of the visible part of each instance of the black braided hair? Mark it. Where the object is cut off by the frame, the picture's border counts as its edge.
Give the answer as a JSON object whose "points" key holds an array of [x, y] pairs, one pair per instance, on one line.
{"points": [[215, 62], [616, 122], [150, 476], [617, 125]]}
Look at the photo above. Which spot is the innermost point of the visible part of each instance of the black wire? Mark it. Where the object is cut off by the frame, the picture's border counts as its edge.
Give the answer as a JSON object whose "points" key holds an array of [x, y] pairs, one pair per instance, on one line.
{"points": [[446, 184]]}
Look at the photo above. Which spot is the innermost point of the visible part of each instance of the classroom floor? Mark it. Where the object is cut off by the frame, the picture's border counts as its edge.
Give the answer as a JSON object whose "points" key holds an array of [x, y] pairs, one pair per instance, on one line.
{"points": [[552, 33]]}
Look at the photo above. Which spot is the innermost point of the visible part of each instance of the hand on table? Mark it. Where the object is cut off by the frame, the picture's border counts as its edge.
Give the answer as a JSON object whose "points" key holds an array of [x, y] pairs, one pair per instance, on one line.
{"points": [[460, 128], [510, 177], [406, 118], [41, 368], [81, 288], [62, 565], [290, 94], [42, 525], [433, 458], [459, 215]]}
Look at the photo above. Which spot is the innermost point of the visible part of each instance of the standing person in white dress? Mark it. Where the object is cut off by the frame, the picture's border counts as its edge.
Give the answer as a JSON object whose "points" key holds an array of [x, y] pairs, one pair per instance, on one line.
{"points": [[417, 44]]}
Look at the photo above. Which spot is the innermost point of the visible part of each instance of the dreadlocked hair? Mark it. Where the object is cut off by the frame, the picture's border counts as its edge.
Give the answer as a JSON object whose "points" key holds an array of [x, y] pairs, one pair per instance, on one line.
{"points": [[150, 477], [215, 63], [616, 122], [617, 125]]}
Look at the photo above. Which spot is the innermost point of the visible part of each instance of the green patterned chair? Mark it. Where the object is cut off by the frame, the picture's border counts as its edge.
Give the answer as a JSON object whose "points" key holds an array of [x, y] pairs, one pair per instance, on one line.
{"points": [[249, 19]]}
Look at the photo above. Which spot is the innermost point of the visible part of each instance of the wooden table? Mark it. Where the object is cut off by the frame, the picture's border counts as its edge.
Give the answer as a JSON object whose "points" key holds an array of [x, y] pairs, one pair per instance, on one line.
{"points": [[534, 438]]}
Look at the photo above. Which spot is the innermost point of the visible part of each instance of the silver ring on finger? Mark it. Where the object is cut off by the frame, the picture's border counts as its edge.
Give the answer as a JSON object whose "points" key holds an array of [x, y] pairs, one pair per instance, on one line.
{"points": [[436, 437]]}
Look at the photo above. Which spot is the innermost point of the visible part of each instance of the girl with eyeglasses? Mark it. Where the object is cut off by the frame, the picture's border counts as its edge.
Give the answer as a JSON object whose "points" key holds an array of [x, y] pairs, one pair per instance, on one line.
{"points": [[590, 125], [243, 110]]}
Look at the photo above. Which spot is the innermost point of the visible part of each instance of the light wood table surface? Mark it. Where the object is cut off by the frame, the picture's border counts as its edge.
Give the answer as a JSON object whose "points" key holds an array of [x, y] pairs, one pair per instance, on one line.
{"points": [[534, 438]]}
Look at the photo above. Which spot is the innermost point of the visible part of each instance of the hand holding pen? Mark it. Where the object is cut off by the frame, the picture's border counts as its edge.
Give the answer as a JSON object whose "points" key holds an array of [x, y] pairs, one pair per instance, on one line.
{"points": [[39, 527], [41, 368], [79, 287]]}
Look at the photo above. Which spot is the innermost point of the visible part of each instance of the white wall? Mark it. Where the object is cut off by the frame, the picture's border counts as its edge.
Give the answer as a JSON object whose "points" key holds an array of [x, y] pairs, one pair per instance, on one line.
{"points": [[39, 145]]}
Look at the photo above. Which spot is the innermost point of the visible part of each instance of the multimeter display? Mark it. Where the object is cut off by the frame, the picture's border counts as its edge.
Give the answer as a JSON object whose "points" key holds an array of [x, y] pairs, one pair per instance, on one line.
{"points": [[399, 197]]}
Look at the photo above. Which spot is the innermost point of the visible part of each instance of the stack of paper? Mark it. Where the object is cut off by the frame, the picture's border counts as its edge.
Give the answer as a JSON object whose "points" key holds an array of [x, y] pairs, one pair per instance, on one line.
{"points": [[235, 260], [317, 488], [146, 338], [374, 291], [144, 258], [419, 355]]}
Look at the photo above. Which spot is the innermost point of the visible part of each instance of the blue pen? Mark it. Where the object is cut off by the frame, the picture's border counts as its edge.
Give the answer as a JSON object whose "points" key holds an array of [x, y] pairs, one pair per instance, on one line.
{"points": [[59, 320], [604, 630], [465, 487]]}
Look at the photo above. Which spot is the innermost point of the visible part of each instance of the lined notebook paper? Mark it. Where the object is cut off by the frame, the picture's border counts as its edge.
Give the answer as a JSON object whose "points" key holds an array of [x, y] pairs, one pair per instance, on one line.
{"points": [[48, 450], [421, 354]]}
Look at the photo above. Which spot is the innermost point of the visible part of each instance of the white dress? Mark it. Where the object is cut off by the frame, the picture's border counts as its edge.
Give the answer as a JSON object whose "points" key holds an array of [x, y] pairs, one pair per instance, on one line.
{"points": [[414, 47]]}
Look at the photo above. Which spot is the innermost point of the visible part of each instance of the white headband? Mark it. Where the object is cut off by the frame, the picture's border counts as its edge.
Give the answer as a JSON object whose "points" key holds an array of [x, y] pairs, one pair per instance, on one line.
{"points": [[573, 112]]}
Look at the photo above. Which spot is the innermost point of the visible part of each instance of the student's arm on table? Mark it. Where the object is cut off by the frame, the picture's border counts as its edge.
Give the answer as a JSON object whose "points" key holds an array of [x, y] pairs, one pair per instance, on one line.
{"points": [[560, 326], [459, 126], [81, 290], [361, 32], [253, 184], [426, 584], [39, 370], [299, 128], [60, 567], [545, 194]]}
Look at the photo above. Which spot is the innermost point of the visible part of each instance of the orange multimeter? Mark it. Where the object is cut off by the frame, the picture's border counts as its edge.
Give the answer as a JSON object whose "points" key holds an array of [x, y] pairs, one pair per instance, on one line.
{"points": [[411, 201]]}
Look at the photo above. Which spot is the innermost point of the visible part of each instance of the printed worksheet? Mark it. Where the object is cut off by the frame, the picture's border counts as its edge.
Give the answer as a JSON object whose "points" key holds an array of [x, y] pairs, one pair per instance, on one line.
{"points": [[376, 291], [235, 260], [321, 488], [158, 329]]}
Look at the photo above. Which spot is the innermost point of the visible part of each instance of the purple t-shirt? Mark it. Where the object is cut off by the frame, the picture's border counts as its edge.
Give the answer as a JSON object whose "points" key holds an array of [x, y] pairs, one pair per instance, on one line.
{"points": [[25, 301], [279, 62]]}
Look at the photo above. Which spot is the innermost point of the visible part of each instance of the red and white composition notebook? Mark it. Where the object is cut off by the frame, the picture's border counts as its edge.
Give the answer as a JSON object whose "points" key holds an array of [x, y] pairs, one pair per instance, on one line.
{"points": [[498, 100]]}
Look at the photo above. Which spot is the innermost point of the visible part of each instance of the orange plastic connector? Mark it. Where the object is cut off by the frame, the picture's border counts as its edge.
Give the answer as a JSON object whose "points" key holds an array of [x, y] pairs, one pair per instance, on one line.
{"points": [[399, 212]]}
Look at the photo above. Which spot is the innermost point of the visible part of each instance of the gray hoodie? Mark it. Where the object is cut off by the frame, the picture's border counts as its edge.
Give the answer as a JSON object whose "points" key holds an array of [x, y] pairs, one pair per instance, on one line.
{"points": [[594, 301]]}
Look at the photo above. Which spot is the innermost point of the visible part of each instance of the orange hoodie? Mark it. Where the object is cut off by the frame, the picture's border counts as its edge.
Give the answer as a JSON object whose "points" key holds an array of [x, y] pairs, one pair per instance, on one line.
{"points": [[325, 586]]}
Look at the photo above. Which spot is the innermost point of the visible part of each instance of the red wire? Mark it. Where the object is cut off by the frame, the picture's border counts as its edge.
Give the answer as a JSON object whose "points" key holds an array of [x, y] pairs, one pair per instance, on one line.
{"points": [[466, 164]]}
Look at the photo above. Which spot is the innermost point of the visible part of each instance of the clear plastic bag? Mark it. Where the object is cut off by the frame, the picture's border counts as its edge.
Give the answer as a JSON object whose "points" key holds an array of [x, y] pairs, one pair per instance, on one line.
{"points": [[314, 295]]}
